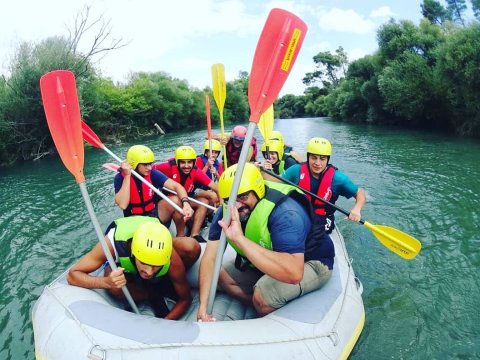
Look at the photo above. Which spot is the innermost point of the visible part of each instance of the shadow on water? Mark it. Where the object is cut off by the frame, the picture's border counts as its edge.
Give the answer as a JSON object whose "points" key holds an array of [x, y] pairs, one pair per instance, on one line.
{"points": [[425, 185]]}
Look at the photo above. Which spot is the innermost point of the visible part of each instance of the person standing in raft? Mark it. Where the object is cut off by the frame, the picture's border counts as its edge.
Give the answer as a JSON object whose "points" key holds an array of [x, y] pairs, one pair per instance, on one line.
{"points": [[319, 177], [147, 264], [183, 171], [278, 257], [233, 145], [136, 198]]}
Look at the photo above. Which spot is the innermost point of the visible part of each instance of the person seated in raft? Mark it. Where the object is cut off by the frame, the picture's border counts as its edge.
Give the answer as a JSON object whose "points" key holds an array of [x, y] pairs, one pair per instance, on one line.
{"points": [[278, 256], [288, 151], [147, 264], [182, 170], [212, 167], [319, 177], [233, 143], [274, 160], [136, 198]]}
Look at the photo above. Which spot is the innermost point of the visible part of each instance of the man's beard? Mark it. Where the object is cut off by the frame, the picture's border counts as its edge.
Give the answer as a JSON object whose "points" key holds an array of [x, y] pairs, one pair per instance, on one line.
{"points": [[244, 215]]}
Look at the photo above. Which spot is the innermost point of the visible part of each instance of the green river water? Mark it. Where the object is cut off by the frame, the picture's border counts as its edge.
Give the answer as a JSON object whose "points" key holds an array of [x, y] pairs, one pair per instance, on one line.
{"points": [[426, 185]]}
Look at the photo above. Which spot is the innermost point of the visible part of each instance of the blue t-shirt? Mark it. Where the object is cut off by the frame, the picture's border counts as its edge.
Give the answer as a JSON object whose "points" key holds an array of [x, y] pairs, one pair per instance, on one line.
{"points": [[341, 183], [289, 224], [158, 180]]}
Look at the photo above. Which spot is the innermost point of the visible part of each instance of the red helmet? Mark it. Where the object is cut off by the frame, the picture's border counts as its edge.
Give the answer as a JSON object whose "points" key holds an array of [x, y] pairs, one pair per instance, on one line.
{"points": [[239, 132]]}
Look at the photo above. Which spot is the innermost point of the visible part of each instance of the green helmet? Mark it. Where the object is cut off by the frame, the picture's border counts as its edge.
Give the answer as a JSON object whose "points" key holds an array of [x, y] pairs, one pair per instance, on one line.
{"points": [[185, 153], [251, 180], [273, 146], [152, 244], [319, 146], [139, 154]]}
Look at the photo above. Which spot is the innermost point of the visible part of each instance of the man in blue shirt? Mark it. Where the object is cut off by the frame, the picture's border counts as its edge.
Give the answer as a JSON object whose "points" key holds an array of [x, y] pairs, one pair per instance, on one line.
{"points": [[279, 258], [321, 178]]}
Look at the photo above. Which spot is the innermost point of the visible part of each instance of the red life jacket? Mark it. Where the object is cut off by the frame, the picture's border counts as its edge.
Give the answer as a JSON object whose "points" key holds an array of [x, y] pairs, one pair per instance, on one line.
{"points": [[141, 200], [233, 153], [188, 184], [324, 189]]}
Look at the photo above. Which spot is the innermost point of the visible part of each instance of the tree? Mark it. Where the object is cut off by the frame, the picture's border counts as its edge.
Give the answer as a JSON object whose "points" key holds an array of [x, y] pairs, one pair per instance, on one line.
{"points": [[434, 11], [456, 10], [330, 68]]}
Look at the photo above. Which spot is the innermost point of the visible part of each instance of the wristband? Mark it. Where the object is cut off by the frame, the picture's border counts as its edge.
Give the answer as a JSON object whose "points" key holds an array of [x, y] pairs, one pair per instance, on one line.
{"points": [[185, 200]]}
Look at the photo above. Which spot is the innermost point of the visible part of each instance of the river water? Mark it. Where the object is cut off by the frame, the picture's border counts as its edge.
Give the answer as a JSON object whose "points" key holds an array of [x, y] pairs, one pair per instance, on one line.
{"points": [[426, 185]]}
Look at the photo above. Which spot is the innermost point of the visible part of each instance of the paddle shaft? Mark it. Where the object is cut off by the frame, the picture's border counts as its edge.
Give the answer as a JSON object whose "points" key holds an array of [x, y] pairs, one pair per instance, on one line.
{"points": [[101, 239], [150, 185], [116, 168], [308, 192], [227, 216]]}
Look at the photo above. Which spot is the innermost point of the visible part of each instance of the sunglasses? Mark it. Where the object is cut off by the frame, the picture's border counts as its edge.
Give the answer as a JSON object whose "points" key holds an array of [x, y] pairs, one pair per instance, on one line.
{"points": [[241, 198]]}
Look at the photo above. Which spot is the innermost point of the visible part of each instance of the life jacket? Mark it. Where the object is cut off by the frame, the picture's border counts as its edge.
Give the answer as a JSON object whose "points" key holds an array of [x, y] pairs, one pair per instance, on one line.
{"points": [[233, 153], [279, 167], [188, 183], [256, 228], [216, 165], [324, 189], [141, 200], [124, 230]]}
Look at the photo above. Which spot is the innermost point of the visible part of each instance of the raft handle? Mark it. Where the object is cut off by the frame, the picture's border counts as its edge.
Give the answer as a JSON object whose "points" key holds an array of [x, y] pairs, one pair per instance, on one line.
{"points": [[96, 348], [359, 285]]}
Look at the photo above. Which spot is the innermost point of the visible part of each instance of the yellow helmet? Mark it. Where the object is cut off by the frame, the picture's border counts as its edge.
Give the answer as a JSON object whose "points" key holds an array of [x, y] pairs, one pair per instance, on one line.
{"points": [[185, 153], [273, 146], [251, 180], [277, 135], [216, 146], [152, 244], [319, 146], [139, 154]]}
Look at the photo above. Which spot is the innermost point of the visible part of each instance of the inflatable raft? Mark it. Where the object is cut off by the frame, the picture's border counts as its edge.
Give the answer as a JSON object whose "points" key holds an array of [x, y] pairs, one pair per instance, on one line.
{"points": [[75, 323]]}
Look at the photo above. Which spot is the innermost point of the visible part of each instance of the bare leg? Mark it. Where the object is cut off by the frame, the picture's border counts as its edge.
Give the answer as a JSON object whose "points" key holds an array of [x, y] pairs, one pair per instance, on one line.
{"points": [[232, 288], [260, 305], [199, 216], [188, 249]]}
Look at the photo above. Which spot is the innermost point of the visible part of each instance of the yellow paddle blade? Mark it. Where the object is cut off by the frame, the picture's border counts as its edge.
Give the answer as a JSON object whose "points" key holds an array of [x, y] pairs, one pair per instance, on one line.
{"points": [[397, 241], [219, 85], [265, 124]]}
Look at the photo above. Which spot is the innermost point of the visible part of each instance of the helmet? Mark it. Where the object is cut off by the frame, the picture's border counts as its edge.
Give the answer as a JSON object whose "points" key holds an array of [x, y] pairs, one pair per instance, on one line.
{"points": [[251, 180], [139, 154], [239, 132], [273, 146], [277, 135], [319, 146], [216, 146], [185, 153], [152, 244]]}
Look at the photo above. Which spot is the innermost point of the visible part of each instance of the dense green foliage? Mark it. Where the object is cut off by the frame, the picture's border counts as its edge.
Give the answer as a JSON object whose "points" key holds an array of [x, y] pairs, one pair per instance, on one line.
{"points": [[423, 76]]}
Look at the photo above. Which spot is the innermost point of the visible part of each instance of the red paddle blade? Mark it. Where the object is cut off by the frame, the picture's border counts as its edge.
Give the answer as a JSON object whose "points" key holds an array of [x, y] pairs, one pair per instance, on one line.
{"points": [[60, 102], [111, 167], [209, 120], [90, 137], [276, 52]]}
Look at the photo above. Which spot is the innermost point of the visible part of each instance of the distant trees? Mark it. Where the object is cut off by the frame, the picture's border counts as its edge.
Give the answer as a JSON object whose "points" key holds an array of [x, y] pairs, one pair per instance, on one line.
{"points": [[424, 75]]}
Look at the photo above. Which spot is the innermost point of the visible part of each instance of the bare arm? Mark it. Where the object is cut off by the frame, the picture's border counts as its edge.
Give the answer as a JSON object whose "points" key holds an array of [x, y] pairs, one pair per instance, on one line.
{"points": [[122, 197], [360, 199], [181, 193], [205, 278], [182, 288], [78, 275]]}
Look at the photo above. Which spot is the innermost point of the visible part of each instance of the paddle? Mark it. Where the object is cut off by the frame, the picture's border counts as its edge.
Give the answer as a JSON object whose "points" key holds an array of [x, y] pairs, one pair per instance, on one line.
{"points": [[115, 168], [266, 126], [209, 128], [220, 94], [92, 138], [276, 51], [60, 102], [393, 239]]}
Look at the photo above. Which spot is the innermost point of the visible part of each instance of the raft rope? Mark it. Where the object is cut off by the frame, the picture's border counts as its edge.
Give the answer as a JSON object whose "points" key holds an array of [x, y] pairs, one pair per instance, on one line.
{"points": [[332, 335]]}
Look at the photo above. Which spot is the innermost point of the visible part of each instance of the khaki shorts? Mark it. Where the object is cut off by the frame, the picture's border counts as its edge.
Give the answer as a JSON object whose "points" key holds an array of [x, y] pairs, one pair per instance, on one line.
{"points": [[276, 293]]}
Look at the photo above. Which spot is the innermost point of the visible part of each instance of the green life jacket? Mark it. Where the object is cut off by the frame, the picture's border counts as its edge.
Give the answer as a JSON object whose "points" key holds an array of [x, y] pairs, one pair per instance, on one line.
{"points": [[124, 230], [256, 228]]}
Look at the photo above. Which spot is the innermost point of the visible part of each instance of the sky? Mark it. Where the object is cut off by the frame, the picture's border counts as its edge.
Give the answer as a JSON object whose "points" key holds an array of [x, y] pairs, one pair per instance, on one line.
{"points": [[185, 37]]}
